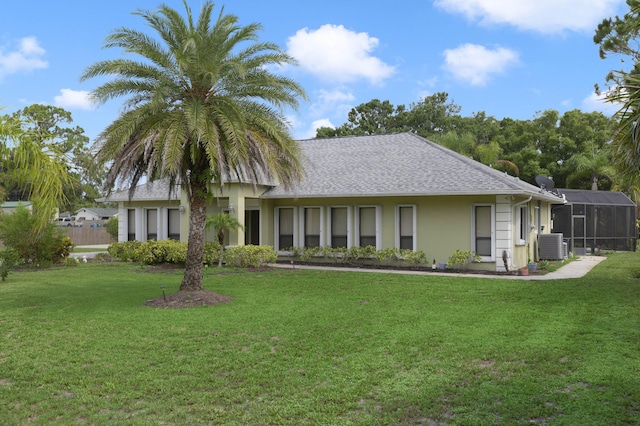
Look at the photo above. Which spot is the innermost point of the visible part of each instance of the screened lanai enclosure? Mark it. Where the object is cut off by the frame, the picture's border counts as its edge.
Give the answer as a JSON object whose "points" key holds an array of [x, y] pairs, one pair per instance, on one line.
{"points": [[591, 221]]}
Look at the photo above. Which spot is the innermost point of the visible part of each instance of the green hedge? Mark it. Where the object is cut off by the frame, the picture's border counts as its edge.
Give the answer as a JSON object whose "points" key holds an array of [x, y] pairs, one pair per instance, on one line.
{"points": [[368, 253], [175, 252]]}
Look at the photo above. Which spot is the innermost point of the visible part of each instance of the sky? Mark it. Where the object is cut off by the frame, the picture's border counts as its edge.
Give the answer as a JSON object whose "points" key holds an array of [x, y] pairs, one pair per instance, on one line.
{"points": [[507, 58]]}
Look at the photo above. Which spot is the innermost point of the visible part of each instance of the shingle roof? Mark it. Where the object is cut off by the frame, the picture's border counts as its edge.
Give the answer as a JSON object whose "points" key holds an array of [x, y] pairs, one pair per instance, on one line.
{"points": [[103, 212], [397, 164], [150, 191], [14, 204]]}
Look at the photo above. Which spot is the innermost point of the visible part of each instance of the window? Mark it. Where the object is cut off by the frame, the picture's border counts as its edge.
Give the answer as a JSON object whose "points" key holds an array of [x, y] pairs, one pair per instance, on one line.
{"points": [[285, 226], [173, 225], [152, 224], [252, 227], [312, 220], [405, 227], [483, 231], [367, 226], [131, 224], [339, 225], [522, 225]]}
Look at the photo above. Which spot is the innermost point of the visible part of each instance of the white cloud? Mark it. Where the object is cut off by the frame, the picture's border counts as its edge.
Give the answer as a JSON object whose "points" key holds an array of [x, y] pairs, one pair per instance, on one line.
{"points": [[335, 102], [545, 16], [335, 96], [476, 64], [69, 98], [597, 102], [26, 57], [310, 133], [336, 54]]}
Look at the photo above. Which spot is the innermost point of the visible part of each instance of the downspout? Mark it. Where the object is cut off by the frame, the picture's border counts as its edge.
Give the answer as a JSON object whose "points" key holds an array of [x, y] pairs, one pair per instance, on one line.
{"points": [[513, 206]]}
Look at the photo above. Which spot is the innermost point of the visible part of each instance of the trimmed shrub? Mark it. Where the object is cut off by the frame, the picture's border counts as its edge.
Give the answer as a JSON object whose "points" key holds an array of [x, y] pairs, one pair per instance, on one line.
{"points": [[367, 254], [123, 250], [154, 252], [461, 259], [211, 253], [250, 256], [70, 262]]}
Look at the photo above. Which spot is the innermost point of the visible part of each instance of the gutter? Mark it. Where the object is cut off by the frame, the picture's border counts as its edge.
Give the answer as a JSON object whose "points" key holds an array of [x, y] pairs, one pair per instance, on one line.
{"points": [[522, 202]]}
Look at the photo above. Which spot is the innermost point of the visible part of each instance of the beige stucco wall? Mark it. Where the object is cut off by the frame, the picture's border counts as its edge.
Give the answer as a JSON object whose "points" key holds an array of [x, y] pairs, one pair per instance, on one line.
{"points": [[443, 223], [241, 196]]}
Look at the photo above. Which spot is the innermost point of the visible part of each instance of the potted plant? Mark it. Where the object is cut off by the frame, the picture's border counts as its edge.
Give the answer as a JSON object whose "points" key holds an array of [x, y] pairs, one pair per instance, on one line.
{"points": [[532, 266]]}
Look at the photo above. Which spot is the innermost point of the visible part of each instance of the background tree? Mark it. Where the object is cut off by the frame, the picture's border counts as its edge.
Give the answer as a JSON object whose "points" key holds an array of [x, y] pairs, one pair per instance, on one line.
{"points": [[202, 107], [432, 115]]}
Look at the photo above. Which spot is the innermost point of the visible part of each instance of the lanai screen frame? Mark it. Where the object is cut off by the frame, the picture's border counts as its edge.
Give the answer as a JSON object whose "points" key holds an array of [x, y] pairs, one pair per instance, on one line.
{"points": [[592, 221]]}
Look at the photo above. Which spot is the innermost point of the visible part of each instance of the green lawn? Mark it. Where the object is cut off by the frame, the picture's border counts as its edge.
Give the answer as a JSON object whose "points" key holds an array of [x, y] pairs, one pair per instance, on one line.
{"points": [[312, 347]]}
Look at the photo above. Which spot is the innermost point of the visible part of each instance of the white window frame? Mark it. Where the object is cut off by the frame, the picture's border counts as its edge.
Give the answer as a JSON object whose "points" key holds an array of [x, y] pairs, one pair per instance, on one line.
{"points": [[167, 226], [378, 211], [276, 226], [349, 224], [147, 229], [492, 257], [302, 224], [522, 225], [129, 224], [414, 225]]}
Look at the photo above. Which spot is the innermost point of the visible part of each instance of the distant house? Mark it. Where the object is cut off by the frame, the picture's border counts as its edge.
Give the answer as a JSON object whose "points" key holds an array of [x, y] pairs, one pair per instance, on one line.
{"points": [[11, 206], [92, 213], [386, 191]]}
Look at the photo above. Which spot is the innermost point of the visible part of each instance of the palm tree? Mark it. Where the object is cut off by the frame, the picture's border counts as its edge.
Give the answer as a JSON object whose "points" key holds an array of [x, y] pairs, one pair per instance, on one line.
{"points": [[593, 163], [202, 107], [220, 222], [37, 165], [625, 146]]}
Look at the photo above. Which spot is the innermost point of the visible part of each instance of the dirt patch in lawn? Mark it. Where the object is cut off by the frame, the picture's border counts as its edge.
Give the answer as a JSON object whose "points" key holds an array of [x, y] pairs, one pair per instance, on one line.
{"points": [[188, 299]]}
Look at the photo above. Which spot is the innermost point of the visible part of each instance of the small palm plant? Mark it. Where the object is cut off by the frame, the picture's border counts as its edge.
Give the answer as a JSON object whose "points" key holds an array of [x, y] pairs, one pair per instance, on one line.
{"points": [[220, 222]]}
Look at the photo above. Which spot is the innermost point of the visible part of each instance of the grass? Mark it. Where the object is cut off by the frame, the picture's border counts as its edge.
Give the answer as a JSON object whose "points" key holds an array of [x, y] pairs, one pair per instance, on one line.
{"points": [[314, 347]]}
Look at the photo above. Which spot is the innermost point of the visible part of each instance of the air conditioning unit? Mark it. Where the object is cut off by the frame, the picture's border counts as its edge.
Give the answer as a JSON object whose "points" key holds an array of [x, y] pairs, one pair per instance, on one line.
{"points": [[551, 246]]}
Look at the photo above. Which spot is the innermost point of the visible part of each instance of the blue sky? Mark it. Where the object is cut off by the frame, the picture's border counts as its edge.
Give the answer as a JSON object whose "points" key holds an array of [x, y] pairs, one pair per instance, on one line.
{"points": [[505, 57]]}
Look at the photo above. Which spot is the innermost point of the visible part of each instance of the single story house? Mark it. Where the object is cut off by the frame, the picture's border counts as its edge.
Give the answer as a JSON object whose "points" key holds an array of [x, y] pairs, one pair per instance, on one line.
{"points": [[93, 213], [12, 206], [397, 190]]}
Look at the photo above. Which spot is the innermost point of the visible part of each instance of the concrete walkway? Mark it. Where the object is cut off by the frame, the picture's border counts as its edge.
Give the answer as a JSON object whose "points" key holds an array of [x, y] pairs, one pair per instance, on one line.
{"points": [[575, 269], [99, 248]]}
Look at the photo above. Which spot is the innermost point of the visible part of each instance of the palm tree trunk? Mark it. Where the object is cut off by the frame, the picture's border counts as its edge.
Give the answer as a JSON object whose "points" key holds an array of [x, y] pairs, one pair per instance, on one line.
{"points": [[192, 279]]}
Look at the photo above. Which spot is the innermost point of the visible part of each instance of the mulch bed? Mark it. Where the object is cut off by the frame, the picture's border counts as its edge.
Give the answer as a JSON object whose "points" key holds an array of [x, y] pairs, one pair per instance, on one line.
{"points": [[407, 268], [188, 299]]}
